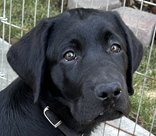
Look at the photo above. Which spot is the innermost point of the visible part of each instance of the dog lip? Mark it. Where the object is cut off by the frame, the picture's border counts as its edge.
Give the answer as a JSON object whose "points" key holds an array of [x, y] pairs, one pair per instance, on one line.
{"points": [[121, 113], [124, 112], [101, 114]]}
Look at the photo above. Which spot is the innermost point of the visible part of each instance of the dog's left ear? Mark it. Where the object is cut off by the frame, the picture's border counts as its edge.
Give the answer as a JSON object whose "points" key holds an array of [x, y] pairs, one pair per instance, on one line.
{"points": [[134, 52], [28, 56]]}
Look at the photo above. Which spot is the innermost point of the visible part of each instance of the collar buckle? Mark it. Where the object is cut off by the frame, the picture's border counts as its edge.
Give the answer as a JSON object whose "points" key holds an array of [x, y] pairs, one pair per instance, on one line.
{"points": [[54, 125]]}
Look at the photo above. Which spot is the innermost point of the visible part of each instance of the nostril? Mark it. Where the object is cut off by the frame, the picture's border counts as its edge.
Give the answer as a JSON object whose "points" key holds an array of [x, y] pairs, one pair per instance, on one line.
{"points": [[117, 93], [103, 96]]}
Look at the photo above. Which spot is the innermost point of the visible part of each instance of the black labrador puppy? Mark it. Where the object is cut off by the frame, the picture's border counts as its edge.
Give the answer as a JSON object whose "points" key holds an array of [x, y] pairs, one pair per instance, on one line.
{"points": [[75, 71]]}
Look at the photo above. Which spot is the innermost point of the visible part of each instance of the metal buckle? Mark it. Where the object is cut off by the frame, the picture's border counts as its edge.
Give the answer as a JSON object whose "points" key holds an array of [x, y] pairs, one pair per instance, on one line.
{"points": [[54, 125]]}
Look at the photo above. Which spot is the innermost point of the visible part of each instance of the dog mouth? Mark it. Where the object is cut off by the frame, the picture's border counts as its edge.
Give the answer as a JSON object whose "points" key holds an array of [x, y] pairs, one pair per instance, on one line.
{"points": [[103, 116], [96, 113], [112, 114]]}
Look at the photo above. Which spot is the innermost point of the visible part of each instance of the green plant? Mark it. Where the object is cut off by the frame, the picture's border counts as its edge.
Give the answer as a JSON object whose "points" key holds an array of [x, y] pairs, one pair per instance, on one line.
{"points": [[149, 96], [29, 15]]}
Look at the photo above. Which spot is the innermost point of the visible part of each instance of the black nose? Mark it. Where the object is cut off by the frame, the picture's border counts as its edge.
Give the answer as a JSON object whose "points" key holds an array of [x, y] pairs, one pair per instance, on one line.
{"points": [[110, 90]]}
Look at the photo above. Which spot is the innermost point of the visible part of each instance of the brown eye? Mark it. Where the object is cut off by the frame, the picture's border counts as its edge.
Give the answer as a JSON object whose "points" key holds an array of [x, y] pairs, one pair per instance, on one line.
{"points": [[115, 48], [69, 56]]}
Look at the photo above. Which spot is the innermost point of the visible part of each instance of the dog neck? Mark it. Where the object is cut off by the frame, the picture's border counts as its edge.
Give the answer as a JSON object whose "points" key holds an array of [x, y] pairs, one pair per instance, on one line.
{"points": [[61, 112], [56, 123]]}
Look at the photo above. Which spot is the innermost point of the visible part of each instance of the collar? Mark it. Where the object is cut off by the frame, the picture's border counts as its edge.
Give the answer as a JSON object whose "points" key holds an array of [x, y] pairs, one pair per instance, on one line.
{"points": [[56, 123]]}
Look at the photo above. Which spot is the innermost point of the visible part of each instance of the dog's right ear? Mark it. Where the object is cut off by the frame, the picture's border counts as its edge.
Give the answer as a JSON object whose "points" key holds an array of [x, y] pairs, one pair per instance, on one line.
{"points": [[28, 56]]}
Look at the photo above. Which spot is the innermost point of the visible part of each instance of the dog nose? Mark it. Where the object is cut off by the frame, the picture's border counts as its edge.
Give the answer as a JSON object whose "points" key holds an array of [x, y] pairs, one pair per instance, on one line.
{"points": [[110, 90]]}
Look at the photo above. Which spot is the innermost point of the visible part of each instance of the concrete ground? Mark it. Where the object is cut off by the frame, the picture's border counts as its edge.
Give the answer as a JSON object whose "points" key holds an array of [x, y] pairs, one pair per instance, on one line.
{"points": [[127, 128], [7, 75]]}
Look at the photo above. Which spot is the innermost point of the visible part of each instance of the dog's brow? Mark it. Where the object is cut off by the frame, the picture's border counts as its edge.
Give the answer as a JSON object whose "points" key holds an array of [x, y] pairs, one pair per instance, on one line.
{"points": [[75, 41]]}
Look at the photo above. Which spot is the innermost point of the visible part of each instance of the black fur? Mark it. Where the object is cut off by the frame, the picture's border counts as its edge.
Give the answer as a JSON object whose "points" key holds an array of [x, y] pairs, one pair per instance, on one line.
{"points": [[69, 88]]}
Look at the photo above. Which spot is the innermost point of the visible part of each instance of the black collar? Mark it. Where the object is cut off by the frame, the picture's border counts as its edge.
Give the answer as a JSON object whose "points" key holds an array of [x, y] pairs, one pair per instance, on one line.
{"points": [[56, 123]]}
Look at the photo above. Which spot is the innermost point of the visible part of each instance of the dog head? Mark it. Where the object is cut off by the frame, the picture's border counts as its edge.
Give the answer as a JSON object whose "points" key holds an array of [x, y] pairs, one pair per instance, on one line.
{"points": [[85, 58]]}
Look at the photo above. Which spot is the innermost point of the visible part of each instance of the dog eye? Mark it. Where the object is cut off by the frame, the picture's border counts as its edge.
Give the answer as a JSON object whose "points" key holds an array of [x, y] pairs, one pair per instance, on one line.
{"points": [[70, 55], [115, 48]]}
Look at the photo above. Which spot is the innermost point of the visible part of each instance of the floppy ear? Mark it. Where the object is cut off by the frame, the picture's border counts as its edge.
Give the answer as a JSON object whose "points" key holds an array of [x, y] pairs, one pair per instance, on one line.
{"points": [[28, 56], [134, 52]]}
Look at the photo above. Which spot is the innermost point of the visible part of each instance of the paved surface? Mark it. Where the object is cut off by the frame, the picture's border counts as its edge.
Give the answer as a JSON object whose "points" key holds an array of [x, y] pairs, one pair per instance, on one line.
{"points": [[145, 26], [5, 70], [126, 124], [95, 4]]}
